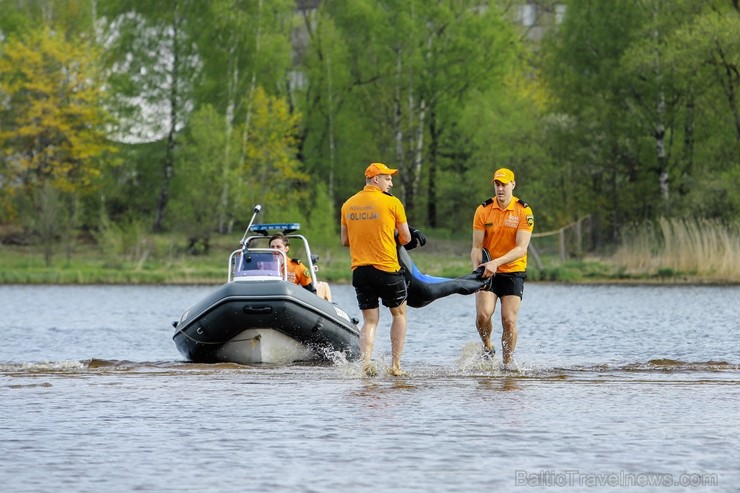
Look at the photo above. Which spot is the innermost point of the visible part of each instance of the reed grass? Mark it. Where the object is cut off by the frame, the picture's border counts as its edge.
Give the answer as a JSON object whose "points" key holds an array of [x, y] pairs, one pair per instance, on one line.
{"points": [[705, 249]]}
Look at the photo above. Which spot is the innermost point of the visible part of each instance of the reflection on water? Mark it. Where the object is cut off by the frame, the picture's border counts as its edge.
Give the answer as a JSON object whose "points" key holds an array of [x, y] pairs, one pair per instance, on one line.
{"points": [[613, 381]]}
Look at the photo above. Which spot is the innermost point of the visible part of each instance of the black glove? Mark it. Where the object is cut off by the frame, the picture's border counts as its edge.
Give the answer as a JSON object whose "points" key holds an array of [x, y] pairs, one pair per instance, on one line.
{"points": [[417, 239]]}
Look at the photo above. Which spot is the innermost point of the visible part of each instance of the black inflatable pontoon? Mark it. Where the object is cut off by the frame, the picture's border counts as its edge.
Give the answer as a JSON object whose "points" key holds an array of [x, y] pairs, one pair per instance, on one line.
{"points": [[265, 321]]}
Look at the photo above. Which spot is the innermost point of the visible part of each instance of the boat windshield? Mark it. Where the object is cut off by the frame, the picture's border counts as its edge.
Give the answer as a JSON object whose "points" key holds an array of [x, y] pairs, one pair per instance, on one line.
{"points": [[258, 264]]}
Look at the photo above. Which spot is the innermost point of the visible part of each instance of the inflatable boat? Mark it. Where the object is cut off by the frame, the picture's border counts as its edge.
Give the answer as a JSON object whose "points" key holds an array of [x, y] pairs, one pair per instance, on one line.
{"points": [[259, 316]]}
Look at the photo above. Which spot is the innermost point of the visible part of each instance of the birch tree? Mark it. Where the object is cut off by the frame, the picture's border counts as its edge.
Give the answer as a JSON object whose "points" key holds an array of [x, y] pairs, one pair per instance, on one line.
{"points": [[594, 142], [247, 45], [657, 92], [154, 65]]}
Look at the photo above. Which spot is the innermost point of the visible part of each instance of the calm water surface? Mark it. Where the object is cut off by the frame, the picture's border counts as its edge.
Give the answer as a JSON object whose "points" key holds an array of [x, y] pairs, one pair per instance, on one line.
{"points": [[621, 389]]}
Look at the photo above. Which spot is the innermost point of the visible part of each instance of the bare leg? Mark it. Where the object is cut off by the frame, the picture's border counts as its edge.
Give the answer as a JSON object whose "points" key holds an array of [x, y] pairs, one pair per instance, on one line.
{"points": [[323, 290], [509, 312], [398, 337], [370, 319], [485, 305]]}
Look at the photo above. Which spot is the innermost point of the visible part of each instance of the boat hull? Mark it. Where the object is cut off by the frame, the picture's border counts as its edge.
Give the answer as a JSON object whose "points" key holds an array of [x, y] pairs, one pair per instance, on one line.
{"points": [[271, 321]]}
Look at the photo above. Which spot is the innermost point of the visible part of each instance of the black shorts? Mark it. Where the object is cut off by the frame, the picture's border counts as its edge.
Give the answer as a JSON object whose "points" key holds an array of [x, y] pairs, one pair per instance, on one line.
{"points": [[371, 283], [508, 284]]}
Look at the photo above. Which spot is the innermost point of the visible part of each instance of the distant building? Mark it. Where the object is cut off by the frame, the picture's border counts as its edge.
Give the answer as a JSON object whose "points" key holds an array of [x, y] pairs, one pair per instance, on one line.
{"points": [[307, 4], [538, 16]]}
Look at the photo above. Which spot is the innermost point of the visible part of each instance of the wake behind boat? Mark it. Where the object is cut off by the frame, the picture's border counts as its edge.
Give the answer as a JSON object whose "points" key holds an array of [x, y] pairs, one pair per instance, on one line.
{"points": [[259, 316]]}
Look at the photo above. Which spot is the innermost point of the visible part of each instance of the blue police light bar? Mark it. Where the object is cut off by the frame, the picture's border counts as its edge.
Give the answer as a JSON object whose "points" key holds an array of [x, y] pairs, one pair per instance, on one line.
{"points": [[286, 228]]}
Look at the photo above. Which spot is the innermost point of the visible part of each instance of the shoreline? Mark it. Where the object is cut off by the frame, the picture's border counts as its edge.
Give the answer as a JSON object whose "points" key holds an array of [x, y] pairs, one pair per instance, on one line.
{"points": [[166, 265]]}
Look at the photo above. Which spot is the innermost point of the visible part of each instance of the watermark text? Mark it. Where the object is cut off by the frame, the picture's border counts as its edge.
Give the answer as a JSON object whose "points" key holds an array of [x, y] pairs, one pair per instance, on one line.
{"points": [[620, 479]]}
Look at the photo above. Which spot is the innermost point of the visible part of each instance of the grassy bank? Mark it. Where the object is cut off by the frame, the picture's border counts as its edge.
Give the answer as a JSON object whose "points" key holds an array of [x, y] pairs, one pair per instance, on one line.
{"points": [[671, 252], [161, 260]]}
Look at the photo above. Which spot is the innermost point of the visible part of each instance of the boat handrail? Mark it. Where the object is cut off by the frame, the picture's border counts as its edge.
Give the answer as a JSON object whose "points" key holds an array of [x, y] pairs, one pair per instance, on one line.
{"points": [[263, 230], [310, 258]]}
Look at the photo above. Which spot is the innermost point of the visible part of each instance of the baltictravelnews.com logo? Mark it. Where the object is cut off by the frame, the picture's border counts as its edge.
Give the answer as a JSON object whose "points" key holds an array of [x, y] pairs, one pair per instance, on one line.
{"points": [[574, 477]]}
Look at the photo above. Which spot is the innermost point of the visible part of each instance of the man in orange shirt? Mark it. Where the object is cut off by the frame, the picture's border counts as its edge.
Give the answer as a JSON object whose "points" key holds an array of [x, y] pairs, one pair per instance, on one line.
{"points": [[502, 225], [370, 219]]}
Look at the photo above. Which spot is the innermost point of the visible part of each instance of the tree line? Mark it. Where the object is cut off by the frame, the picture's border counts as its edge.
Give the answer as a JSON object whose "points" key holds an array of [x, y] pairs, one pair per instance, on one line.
{"points": [[183, 114]]}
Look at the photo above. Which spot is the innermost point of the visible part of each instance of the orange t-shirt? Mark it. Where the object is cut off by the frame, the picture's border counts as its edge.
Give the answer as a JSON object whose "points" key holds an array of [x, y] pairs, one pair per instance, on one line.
{"points": [[371, 218], [298, 273], [500, 227]]}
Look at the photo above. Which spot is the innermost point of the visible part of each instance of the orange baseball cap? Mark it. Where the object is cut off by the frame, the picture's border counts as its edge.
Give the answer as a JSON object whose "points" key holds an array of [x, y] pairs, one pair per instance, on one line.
{"points": [[503, 175], [376, 169]]}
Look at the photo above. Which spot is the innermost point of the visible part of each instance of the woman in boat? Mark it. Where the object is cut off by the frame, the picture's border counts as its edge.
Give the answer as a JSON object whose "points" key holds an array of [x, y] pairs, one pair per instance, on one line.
{"points": [[298, 272]]}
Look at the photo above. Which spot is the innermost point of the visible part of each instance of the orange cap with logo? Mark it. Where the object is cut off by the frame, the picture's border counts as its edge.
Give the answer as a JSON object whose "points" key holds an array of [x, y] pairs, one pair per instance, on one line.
{"points": [[503, 175], [376, 169]]}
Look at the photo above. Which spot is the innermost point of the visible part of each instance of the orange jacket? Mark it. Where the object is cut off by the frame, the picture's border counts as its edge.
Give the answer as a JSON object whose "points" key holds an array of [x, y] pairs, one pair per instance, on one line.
{"points": [[298, 273]]}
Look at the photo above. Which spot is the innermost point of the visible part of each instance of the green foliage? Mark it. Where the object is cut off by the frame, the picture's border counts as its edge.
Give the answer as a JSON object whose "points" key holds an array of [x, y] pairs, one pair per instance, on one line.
{"points": [[71, 18], [52, 129], [589, 143], [13, 19], [666, 272], [204, 177], [269, 172], [243, 45], [124, 242], [502, 126], [557, 273], [52, 123], [323, 220], [412, 66], [705, 53], [636, 130], [626, 111], [50, 222], [130, 190]]}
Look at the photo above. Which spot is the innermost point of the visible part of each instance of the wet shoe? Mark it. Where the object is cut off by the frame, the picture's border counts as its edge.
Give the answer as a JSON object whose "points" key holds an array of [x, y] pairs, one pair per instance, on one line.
{"points": [[511, 367], [489, 354], [397, 372]]}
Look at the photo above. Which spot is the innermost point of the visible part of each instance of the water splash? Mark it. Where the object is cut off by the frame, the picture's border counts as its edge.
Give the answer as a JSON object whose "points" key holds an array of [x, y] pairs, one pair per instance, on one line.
{"points": [[469, 364]]}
